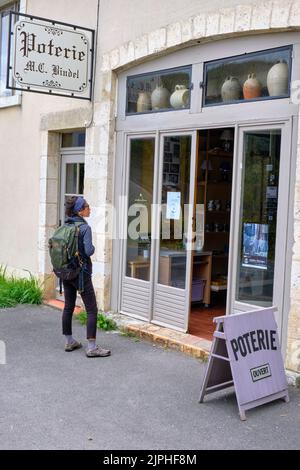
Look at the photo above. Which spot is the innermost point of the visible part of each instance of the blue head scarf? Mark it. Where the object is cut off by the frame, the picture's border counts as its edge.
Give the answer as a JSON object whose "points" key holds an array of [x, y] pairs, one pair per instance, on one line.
{"points": [[80, 202]]}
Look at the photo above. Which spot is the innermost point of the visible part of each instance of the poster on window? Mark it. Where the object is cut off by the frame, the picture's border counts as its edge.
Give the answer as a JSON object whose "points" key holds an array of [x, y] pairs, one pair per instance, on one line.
{"points": [[255, 246], [173, 205]]}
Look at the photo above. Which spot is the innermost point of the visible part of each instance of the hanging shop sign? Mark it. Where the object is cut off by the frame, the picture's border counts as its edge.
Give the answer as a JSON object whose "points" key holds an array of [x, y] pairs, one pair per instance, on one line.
{"points": [[246, 354], [51, 57]]}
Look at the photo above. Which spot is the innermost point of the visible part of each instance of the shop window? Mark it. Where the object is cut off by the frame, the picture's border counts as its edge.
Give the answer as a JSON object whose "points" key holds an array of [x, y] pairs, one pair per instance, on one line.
{"points": [[4, 28], [174, 215], [248, 77], [140, 197], [258, 223], [159, 91], [73, 139]]}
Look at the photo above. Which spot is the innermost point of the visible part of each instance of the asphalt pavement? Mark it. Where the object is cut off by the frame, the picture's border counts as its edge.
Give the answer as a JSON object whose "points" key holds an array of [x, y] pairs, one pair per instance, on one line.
{"points": [[142, 397]]}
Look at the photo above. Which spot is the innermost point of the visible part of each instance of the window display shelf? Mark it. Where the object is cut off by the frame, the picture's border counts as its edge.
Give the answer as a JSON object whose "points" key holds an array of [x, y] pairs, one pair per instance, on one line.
{"points": [[248, 77], [164, 90]]}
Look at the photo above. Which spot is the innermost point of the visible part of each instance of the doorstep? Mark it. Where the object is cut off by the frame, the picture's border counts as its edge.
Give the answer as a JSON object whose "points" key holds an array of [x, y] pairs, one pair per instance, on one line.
{"points": [[165, 337], [168, 338]]}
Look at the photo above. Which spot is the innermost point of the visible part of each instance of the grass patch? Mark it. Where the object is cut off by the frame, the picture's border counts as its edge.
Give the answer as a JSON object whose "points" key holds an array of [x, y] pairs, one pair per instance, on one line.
{"points": [[15, 291], [130, 334], [103, 322]]}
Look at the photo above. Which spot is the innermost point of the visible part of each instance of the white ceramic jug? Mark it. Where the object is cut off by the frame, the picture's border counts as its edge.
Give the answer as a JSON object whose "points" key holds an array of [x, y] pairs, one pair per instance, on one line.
{"points": [[231, 89], [160, 97], [143, 102], [277, 79], [180, 97]]}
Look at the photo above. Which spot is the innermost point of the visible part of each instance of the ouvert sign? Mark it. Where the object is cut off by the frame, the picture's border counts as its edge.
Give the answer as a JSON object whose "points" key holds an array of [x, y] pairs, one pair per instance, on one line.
{"points": [[48, 56], [246, 354]]}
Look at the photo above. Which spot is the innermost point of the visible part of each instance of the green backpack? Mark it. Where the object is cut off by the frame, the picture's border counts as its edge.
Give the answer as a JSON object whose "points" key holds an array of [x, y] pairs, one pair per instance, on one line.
{"points": [[63, 250]]}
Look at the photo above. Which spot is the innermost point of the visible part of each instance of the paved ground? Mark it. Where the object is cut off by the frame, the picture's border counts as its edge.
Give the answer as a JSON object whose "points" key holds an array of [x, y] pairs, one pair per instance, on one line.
{"points": [[142, 397]]}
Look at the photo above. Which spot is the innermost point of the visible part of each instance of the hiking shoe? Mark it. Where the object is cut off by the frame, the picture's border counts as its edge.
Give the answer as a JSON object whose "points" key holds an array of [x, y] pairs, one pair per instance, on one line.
{"points": [[72, 346], [97, 352]]}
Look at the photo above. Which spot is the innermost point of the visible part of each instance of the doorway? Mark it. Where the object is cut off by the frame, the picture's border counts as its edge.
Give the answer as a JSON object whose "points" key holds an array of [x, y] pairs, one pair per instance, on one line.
{"points": [[71, 184], [227, 180], [213, 200]]}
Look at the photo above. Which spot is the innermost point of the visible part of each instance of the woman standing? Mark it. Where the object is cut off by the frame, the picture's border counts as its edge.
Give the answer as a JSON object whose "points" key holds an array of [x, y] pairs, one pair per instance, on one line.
{"points": [[77, 209]]}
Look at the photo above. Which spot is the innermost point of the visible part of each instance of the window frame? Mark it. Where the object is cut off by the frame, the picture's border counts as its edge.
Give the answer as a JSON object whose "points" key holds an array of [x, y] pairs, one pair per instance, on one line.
{"points": [[204, 82], [15, 96], [164, 71]]}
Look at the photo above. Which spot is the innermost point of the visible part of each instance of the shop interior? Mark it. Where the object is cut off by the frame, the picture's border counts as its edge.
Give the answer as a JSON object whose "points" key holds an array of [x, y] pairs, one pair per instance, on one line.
{"points": [[212, 223]]}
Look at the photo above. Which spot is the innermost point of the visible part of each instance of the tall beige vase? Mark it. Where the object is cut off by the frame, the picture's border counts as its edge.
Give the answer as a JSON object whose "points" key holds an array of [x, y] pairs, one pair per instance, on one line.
{"points": [[277, 79]]}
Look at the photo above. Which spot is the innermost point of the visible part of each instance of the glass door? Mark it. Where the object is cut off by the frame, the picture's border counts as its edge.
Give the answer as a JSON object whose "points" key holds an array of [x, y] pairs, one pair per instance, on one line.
{"points": [[137, 246], [174, 224], [260, 219]]}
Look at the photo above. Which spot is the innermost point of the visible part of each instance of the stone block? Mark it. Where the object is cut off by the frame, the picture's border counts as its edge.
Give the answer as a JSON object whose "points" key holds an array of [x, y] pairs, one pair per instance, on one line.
{"points": [[212, 24], [114, 59], [280, 14], [242, 18], [95, 165], [294, 321], [292, 361], [295, 274], [227, 17], [44, 263], [295, 295], [49, 167], [298, 165], [92, 191], [127, 53], [49, 143], [294, 18], [174, 34], [199, 26], [49, 285], [103, 112], [296, 213], [44, 234], [48, 214], [141, 47], [52, 191], [157, 40], [100, 298], [105, 63], [92, 141], [187, 30], [261, 15]]}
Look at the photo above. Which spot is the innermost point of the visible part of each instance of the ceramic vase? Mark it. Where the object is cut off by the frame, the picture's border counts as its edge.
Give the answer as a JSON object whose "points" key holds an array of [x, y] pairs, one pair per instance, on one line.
{"points": [[143, 102], [252, 87], [180, 97], [277, 79], [231, 89], [160, 97]]}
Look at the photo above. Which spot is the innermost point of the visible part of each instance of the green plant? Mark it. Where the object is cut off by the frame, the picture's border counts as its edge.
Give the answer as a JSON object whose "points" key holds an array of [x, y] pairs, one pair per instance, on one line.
{"points": [[103, 322], [129, 334], [15, 291]]}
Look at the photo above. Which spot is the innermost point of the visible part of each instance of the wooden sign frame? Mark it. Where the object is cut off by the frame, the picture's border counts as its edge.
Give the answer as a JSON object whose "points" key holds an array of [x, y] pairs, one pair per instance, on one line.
{"points": [[222, 370]]}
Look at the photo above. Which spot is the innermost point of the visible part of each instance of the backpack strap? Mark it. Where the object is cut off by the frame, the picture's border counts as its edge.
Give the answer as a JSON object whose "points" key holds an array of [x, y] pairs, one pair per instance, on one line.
{"points": [[78, 225]]}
